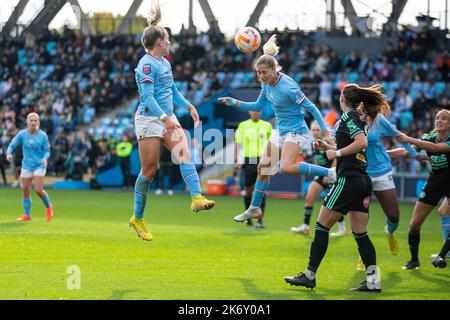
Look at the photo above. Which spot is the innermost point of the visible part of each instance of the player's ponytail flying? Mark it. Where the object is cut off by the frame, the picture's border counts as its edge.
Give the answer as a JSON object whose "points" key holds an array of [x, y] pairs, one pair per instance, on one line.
{"points": [[154, 16], [154, 31], [368, 101], [270, 50]]}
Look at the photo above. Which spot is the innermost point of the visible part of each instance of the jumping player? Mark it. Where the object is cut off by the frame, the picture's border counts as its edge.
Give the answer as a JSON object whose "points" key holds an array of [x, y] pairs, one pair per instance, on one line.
{"points": [[288, 102], [156, 124]]}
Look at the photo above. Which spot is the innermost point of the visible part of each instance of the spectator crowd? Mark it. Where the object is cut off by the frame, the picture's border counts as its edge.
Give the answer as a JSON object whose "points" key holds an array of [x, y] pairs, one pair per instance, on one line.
{"points": [[70, 80]]}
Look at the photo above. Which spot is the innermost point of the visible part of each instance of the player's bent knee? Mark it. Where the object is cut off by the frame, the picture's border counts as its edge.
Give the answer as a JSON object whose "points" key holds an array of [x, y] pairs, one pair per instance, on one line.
{"points": [[414, 227], [149, 173]]}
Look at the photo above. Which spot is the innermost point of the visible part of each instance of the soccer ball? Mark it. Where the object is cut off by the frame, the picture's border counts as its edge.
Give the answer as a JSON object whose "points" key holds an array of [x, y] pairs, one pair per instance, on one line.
{"points": [[247, 39]]}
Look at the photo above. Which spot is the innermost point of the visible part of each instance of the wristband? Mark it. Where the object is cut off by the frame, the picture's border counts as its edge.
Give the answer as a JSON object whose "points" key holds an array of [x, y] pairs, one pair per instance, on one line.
{"points": [[338, 154]]}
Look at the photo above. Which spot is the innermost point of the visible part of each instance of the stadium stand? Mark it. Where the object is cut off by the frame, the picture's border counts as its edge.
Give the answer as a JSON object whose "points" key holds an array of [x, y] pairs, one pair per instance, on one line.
{"points": [[71, 80]]}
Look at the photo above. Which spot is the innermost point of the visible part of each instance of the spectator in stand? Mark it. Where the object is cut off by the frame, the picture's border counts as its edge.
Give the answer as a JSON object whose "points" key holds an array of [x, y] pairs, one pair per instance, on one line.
{"points": [[326, 92], [442, 64]]}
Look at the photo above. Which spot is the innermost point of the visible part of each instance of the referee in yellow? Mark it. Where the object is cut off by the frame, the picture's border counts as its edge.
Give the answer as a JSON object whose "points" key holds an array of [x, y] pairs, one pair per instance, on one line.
{"points": [[251, 138], [123, 150]]}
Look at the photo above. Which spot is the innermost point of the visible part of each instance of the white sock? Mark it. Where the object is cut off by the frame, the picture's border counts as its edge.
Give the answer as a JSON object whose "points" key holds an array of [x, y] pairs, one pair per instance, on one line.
{"points": [[310, 275], [373, 279], [341, 226]]}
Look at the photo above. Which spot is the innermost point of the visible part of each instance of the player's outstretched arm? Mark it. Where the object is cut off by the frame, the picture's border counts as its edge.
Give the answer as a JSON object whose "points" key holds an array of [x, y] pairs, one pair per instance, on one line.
{"points": [[257, 106], [390, 130], [403, 153], [425, 145]]}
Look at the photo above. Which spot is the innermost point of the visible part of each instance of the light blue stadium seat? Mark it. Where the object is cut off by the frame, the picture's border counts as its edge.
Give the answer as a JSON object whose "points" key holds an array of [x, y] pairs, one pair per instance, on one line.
{"points": [[249, 77], [353, 77], [238, 79], [439, 87], [298, 77], [106, 122]]}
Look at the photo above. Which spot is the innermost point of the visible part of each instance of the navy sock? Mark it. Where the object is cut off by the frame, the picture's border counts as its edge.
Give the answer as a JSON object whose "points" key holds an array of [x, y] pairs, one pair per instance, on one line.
{"points": [[414, 241], [366, 249], [307, 215], [318, 247]]}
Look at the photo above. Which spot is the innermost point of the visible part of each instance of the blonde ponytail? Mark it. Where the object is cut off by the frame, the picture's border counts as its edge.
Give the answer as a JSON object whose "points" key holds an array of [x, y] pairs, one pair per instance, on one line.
{"points": [[270, 50], [153, 31], [270, 47], [154, 16]]}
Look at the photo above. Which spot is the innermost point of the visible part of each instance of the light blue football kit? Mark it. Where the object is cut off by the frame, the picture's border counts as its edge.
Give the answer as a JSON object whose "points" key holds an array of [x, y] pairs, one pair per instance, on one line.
{"points": [[288, 103], [157, 95]]}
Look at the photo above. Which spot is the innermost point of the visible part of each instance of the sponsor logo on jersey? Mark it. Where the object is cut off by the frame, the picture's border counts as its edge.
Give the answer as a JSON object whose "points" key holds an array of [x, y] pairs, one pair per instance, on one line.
{"points": [[361, 157]]}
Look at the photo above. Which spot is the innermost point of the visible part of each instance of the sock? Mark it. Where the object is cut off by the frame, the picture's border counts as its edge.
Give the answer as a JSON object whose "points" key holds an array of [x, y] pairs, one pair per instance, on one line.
{"points": [[263, 204], [413, 241], [341, 225], [312, 169], [366, 249], [190, 177], [310, 274], [445, 248], [307, 215], [140, 195], [46, 200], [27, 206], [445, 224], [392, 225], [318, 247], [258, 193], [247, 202]]}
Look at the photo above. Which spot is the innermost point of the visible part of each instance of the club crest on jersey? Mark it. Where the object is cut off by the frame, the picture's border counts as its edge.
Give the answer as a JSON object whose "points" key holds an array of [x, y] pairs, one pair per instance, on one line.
{"points": [[146, 69]]}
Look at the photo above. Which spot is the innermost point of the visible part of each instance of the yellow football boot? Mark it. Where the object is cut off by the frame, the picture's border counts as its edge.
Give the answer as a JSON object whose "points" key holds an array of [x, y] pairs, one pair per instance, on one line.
{"points": [[393, 243], [201, 203], [360, 266], [141, 228]]}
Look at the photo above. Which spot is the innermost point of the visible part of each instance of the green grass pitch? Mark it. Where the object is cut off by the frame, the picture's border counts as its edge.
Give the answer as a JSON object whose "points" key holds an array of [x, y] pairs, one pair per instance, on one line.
{"points": [[202, 255]]}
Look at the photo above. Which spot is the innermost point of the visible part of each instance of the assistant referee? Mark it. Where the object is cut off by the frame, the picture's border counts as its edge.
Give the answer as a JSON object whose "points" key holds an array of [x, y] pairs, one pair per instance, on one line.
{"points": [[251, 138]]}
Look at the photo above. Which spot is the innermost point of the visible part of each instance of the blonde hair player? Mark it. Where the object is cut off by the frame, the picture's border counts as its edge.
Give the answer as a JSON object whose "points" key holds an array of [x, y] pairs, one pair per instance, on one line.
{"points": [[36, 151], [291, 134], [156, 124]]}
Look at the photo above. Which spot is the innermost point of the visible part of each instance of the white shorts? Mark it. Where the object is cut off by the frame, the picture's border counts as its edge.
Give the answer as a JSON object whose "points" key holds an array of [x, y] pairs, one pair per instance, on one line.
{"points": [[384, 182], [25, 173], [299, 139], [149, 126]]}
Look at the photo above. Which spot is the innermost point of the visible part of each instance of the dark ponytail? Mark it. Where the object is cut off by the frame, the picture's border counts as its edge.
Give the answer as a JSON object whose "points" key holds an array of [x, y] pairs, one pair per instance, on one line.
{"points": [[368, 101]]}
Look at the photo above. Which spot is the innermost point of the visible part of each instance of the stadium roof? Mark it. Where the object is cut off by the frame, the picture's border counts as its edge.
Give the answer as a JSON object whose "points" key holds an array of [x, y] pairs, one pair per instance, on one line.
{"points": [[327, 14]]}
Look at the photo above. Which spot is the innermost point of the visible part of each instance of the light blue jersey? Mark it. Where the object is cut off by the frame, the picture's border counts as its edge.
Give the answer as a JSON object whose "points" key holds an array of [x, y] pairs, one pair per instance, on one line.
{"points": [[378, 161], [36, 148], [157, 90], [288, 102]]}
